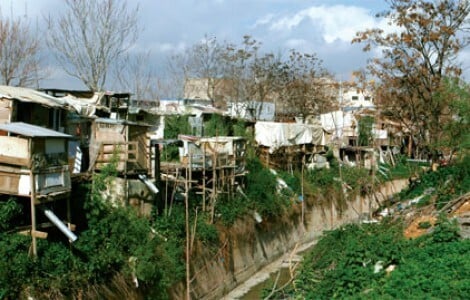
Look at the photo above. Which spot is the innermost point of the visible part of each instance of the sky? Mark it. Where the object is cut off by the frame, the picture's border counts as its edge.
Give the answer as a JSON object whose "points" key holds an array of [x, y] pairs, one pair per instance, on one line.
{"points": [[324, 27]]}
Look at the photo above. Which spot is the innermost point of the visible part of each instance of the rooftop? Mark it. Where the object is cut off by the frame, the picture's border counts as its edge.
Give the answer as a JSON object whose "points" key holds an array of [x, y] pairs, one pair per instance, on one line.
{"points": [[29, 130]]}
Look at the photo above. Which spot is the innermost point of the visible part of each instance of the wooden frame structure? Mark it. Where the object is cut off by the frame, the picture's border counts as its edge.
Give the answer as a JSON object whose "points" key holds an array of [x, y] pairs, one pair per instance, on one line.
{"points": [[34, 164], [210, 166]]}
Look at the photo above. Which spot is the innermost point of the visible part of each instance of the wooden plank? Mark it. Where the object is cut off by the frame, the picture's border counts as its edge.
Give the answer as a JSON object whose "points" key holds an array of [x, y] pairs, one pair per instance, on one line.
{"points": [[35, 233], [9, 183], [39, 234], [9, 169], [11, 160]]}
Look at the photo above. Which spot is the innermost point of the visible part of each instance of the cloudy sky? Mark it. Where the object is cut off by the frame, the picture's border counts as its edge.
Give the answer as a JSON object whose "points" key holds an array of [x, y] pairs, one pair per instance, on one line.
{"points": [[325, 27]]}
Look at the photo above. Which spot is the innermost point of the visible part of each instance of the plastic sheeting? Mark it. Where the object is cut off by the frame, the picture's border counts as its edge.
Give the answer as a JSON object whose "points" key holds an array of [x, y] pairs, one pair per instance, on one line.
{"points": [[85, 107], [276, 135], [337, 121]]}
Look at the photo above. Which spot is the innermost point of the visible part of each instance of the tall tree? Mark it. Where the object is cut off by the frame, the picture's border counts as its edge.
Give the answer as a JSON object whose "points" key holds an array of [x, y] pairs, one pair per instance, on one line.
{"points": [[241, 73], [91, 36], [416, 59], [308, 87], [19, 54], [201, 61], [136, 75]]}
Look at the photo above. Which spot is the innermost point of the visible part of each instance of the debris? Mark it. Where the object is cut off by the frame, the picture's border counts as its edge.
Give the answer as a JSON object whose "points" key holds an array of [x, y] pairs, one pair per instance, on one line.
{"points": [[390, 269], [257, 217], [378, 266]]}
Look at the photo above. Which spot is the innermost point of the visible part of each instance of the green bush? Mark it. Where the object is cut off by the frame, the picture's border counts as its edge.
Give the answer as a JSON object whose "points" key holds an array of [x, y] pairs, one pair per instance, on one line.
{"points": [[217, 125], [446, 183], [342, 264], [262, 194], [8, 211]]}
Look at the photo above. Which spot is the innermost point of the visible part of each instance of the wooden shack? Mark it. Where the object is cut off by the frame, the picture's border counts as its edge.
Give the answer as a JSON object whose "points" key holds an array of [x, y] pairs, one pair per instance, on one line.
{"points": [[19, 104], [27, 150], [34, 163], [207, 152], [125, 140]]}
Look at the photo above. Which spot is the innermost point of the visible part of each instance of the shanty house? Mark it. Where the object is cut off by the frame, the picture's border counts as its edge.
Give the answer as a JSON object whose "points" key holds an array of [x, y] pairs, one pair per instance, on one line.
{"points": [[288, 145], [28, 151], [226, 151], [33, 107], [125, 140]]}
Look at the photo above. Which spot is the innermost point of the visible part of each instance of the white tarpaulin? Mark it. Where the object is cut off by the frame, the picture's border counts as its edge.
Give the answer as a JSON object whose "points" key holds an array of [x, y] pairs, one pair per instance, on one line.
{"points": [[276, 135], [337, 122], [84, 106]]}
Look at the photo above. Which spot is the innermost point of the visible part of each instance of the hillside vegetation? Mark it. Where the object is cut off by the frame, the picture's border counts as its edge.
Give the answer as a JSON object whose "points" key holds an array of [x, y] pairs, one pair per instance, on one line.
{"points": [[377, 261]]}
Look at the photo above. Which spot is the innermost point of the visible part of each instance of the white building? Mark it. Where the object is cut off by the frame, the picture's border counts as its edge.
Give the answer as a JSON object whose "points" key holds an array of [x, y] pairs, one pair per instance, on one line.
{"points": [[354, 98]]}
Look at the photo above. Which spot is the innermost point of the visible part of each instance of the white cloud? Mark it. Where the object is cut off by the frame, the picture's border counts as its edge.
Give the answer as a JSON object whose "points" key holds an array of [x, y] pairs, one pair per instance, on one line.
{"points": [[263, 20], [296, 43], [338, 22], [170, 47]]}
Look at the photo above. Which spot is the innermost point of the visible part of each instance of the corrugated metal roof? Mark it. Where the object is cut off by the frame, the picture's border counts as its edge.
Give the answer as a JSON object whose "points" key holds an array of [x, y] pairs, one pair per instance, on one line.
{"points": [[29, 95], [29, 130]]}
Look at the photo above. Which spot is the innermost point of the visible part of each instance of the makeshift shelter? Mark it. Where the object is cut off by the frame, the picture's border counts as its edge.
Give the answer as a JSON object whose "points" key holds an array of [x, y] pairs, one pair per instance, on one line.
{"points": [[34, 164], [27, 150], [288, 145], [30, 106], [126, 140]]}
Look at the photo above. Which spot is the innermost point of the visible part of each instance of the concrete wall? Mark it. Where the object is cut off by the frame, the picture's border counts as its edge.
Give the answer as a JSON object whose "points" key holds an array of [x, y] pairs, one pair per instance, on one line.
{"points": [[254, 246]]}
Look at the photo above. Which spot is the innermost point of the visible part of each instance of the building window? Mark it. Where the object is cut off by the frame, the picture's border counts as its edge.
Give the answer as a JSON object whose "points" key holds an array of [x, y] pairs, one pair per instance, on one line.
{"points": [[355, 98], [367, 98]]}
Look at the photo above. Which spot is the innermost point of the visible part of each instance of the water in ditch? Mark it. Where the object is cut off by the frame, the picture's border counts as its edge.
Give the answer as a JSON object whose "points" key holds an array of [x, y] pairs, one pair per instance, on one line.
{"points": [[256, 292]]}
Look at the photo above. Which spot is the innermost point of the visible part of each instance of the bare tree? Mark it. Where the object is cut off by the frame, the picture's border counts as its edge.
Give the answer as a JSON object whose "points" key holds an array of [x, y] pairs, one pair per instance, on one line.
{"points": [[241, 74], [91, 36], [19, 54], [202, 63], [136, 75]]}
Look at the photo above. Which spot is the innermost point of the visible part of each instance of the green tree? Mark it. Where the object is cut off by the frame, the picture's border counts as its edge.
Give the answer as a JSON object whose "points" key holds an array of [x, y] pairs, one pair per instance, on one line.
{"points": [[456, 131]]}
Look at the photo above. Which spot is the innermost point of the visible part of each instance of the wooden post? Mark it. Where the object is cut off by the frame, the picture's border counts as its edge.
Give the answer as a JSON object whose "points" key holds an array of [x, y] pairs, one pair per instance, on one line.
{"points": [[69, 214], [157, 199], [204, 177], [33, 213], [410, 144], [302, 184], [186, 202], [32, 179]]}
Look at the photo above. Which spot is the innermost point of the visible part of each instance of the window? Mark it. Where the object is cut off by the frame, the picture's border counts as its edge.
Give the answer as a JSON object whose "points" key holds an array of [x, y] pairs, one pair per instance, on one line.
{"points": [[355, 98], [367, 98]]}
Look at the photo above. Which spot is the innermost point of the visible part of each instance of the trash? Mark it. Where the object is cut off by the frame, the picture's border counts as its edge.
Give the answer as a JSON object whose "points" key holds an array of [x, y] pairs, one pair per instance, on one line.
{"points": [[379, 266], [257, 217], [390, 269]]}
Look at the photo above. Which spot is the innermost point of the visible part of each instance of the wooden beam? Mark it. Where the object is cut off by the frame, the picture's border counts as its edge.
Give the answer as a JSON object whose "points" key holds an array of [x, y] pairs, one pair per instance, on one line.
{"points": [[33, 213], [17, 161], [35, 233]]}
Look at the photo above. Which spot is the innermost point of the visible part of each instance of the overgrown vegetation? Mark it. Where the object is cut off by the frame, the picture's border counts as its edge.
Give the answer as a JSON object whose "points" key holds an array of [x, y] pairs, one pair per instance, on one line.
{"points": [[262, 194], [356, 262], [365, 131], [116, 247], [443, 185], [216, 125]]}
